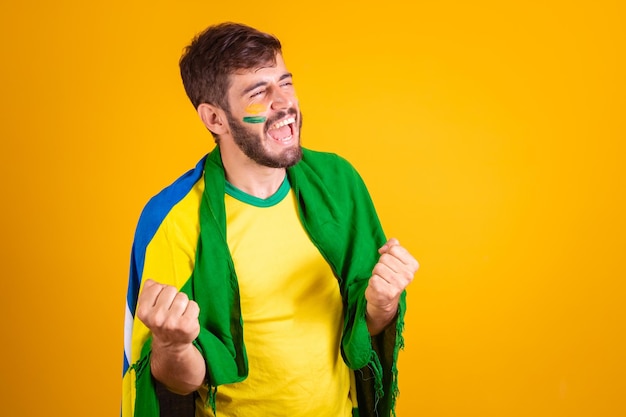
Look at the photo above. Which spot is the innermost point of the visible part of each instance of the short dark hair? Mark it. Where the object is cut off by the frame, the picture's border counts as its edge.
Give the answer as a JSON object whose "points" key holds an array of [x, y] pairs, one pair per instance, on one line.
{"points": [[216, 53]]}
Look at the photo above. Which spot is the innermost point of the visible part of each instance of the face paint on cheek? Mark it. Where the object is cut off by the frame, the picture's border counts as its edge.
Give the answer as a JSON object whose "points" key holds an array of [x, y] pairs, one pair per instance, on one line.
{"points": [[255, 109], [254, 119]]}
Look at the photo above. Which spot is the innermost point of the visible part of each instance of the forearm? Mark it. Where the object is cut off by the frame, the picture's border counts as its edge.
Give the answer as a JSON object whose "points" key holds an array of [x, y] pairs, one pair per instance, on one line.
{"points": [[378, 319], [182, 370]]}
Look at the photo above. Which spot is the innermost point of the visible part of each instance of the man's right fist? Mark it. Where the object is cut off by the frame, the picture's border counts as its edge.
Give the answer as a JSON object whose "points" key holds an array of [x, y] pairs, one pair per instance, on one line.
{"points": [[169, 314]]}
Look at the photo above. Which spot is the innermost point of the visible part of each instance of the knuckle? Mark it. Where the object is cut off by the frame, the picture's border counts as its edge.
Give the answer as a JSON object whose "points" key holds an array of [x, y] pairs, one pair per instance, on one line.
{"points": [[414, 264], [386, 257], [181, 295], [168, 290], [182, 298], [193, 309], [141, 313], [180, 302], [397, 251]]}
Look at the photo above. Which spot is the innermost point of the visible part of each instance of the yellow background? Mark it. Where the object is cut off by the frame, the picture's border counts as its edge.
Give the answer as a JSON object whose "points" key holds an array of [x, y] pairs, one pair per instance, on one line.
{"points": [[491, 135]]}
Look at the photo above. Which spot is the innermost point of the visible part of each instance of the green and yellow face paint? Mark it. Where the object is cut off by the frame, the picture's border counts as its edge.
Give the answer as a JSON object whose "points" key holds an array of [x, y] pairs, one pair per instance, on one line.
{"points": [[255, 110]]}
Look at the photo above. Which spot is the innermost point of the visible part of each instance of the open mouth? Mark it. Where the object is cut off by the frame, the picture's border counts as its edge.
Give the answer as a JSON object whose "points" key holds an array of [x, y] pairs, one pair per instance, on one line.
{"points": [[283, 130]]}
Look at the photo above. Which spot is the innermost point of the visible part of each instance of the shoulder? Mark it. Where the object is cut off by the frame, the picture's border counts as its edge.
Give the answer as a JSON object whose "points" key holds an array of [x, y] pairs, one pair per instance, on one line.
{"points": [[317, 157], [327, 174], [327, 164], [160, 206]]}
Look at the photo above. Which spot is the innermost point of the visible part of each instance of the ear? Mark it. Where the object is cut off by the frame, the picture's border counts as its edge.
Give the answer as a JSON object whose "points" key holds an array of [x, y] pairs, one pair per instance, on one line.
{"points": [[213, 118]]}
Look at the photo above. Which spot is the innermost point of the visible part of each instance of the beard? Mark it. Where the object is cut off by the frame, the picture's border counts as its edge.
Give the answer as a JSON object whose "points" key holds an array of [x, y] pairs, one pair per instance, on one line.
{"points": [[251, 143]]}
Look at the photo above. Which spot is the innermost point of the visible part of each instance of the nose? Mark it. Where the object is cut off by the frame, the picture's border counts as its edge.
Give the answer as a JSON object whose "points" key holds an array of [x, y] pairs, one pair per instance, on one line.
{"points": [[281, 99]]}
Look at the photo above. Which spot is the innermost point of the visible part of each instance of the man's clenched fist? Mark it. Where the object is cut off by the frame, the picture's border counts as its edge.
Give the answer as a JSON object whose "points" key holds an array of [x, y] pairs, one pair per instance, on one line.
{"points": [[169, 314], [391, 275]]}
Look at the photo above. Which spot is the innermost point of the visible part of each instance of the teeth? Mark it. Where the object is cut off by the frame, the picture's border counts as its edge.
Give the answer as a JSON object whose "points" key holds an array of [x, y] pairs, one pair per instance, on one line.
{"points": [[283, 123]]}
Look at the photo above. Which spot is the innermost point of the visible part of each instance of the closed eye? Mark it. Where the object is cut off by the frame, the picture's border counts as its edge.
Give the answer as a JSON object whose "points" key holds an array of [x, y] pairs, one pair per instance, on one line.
{"points": [[257, 93]]}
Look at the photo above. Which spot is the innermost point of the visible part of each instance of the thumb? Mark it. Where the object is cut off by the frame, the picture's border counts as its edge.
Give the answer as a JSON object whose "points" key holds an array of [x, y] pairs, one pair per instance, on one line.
{"points": [[391, 242]]}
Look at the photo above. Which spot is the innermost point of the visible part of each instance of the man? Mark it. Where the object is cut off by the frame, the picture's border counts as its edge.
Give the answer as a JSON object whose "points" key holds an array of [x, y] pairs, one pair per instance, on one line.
{"points": [[261, 281]]}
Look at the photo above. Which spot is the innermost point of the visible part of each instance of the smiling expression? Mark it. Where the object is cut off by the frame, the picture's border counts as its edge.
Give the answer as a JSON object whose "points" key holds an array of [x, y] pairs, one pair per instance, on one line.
{"points": [[264, 100]]}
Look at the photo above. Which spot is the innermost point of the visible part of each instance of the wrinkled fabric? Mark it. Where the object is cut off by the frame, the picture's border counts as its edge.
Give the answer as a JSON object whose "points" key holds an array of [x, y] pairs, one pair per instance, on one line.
{"points": [[337, 212]]}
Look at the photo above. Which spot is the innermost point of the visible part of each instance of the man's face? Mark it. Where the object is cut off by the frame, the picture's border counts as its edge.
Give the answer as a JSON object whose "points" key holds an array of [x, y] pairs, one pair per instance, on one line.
{"points": [[264, 116]]}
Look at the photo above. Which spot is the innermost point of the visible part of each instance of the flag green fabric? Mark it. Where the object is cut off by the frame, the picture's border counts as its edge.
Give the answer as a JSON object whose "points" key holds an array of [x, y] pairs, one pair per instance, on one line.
{"points": [[338, 214]]}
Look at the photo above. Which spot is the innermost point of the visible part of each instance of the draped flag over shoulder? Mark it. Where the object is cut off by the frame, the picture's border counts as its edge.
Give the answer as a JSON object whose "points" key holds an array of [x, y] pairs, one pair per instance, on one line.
{"points": [[154, 257], [180, 241]]}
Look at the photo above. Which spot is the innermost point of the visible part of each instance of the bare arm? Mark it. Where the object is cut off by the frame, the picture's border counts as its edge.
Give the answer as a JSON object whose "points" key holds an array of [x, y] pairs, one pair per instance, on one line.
{"points": [[173, 320], [391, 275]]}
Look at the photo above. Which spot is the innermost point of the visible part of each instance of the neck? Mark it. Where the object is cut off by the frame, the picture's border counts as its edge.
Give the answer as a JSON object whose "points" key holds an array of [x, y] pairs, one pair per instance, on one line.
{"points": [[248, 176]]}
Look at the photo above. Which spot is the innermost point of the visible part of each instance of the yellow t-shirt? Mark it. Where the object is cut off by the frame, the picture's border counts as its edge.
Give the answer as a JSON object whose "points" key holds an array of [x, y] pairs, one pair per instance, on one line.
{"points": [[292, 315]]}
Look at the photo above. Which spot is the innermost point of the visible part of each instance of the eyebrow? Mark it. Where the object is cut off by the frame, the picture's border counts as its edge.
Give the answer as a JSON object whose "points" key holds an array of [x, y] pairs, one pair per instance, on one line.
{"points": [[262, 83]]}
